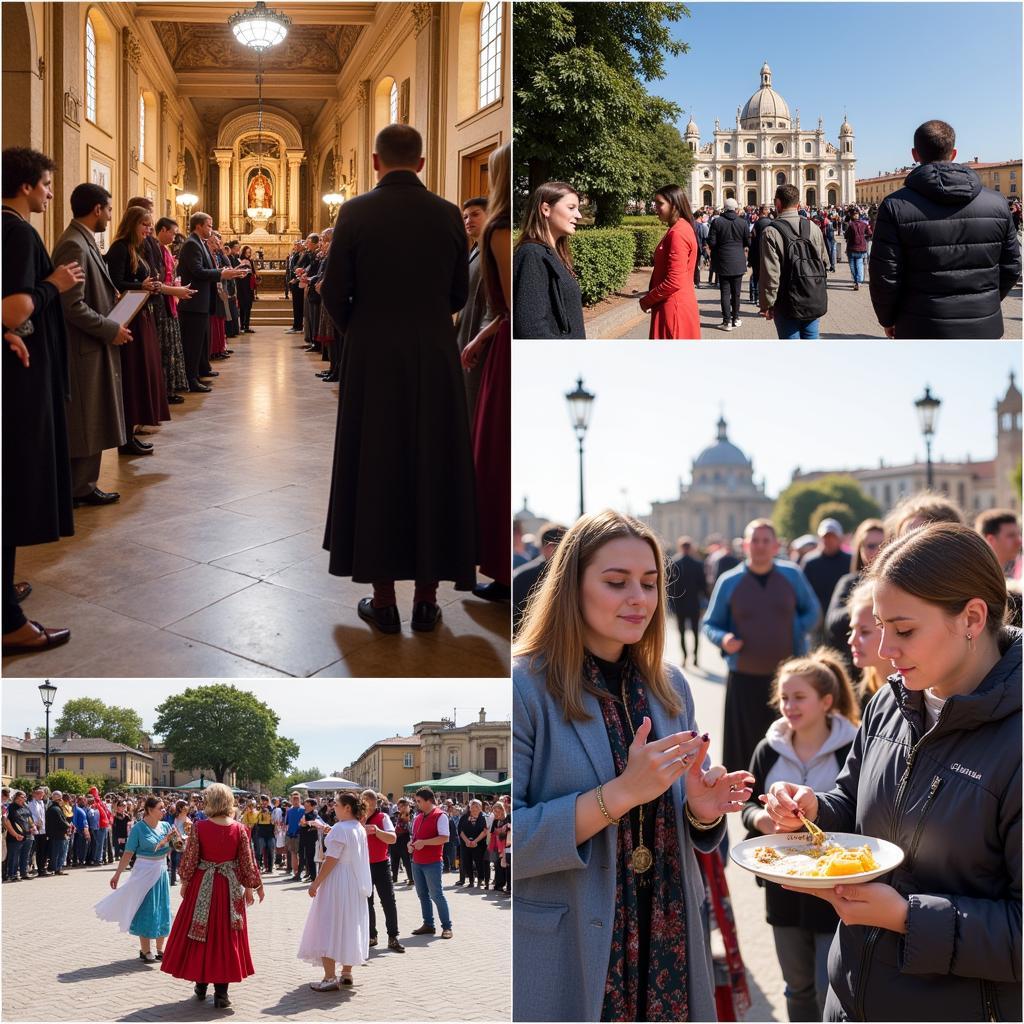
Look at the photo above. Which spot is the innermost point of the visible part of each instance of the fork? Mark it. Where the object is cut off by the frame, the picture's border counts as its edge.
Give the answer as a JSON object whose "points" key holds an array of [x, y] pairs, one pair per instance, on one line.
{"points": [[817, 835]]}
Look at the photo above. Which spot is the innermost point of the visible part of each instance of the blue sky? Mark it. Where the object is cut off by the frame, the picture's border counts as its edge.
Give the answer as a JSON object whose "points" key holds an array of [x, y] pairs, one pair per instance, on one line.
{"points": [[332, 722], [890, 66], [835, 405]]}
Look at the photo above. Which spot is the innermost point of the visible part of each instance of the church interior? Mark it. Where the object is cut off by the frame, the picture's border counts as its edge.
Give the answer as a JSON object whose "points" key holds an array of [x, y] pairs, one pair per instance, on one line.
{"points": [[211, 562]]}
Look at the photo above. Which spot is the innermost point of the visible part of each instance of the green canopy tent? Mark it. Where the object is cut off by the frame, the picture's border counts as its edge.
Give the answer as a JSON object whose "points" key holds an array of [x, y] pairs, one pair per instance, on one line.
{"points": [[467, 782], [198, 784]]}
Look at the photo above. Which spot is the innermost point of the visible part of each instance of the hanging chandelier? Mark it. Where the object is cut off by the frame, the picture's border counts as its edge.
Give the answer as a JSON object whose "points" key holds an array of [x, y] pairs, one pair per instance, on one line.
{"points": [[259, 28]]}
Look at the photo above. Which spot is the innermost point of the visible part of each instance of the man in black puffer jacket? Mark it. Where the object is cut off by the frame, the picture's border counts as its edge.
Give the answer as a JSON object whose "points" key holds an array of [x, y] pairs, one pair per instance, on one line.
{"points": [[945, 253]]}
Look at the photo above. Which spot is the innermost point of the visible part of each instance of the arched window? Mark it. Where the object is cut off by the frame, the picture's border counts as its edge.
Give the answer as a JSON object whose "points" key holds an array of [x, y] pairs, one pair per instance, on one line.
{"points": [[751, 197], [708, 198], [780, 147], [751, 174], [726, 147], [393, 104], [142, 127], [812, 197], [810, 174], [807, 147], [833, 197], [728, 174], [848, 145], [385, 103], [750, 147], [780, 178], [90, 71], [490, 52]]}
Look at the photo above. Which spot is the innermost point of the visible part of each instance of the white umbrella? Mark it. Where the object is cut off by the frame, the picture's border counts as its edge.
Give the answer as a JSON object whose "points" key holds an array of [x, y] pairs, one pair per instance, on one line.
{"points": [[331, 782]]}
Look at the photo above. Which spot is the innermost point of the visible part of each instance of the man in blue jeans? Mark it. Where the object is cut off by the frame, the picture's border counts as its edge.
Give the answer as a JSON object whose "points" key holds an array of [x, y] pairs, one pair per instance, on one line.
{"points": [[430, 832]]}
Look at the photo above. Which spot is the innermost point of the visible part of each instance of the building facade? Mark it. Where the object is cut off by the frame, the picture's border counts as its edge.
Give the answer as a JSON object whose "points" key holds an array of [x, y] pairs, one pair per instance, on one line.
{"points": [[722, 496], [1001, 176], [159, 100], [974, 486], [387, 765], [482, 747], [766, 148], [121, 765], [166, 775]]}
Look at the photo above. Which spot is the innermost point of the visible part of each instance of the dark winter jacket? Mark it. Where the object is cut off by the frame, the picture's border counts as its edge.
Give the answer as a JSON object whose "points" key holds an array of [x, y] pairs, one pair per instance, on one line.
{"points": [[857, 234], [728, 237], [546, 299], [944, 255], [950, 798]]}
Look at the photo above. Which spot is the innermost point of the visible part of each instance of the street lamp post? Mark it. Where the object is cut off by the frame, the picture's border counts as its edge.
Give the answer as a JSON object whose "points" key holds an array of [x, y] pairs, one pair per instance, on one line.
{"points": [[927, 414], [47, 691], [580, 402]]}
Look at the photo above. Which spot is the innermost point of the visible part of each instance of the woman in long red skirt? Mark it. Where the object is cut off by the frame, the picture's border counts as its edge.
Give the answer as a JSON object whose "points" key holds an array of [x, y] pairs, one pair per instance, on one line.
{"points": [[209, 940]]}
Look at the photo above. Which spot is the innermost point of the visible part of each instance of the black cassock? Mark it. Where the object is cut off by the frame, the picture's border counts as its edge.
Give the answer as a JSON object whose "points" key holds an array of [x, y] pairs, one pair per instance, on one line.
{"points": [[402, 493], [36, 465]]}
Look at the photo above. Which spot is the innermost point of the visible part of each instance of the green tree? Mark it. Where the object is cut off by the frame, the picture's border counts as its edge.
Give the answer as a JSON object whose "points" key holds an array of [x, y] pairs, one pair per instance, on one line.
{"points": [[223, 728], [89, 716], [24, 783], [66, 782], [282, 782], [669, 162], [582, 110], [837, 510], [797, 503]]}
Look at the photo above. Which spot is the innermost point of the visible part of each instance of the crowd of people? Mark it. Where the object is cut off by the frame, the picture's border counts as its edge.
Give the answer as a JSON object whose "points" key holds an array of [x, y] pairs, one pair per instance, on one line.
{"points": [[941, 254], [842, 661], [78, 381], [347, 845]]}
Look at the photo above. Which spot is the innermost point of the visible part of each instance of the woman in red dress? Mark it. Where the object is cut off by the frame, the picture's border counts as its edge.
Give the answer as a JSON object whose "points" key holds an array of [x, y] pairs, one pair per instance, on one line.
{"points": [[209, 940], [492, 417], [672, 301]]}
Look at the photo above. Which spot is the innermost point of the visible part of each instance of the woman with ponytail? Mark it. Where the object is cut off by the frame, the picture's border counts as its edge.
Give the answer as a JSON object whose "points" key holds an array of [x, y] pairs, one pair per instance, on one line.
{"points": [[808, 744]]}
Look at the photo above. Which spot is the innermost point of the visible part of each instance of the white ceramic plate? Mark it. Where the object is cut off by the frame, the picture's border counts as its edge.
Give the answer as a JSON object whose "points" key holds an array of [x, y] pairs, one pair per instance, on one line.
{"points": [[887, 854]]}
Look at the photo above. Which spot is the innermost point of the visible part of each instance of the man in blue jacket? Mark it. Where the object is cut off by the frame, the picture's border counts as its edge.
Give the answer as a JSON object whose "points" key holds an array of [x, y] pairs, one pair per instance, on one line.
{"points": [[759, 615]]}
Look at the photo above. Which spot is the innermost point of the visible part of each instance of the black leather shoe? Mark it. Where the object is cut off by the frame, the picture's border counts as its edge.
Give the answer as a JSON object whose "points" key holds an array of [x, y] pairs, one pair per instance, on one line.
{"points": [[136, 447], [385, 619], [493, 592], [200, 386], [425, 616], [174, 399], [332, 380], [97, 497], [200, 990], [210, 373]]}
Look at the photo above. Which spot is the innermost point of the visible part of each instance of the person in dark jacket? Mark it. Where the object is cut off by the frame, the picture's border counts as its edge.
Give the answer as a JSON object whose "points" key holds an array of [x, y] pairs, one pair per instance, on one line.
{"points": [[687, 588], [547, 302], [754, 253], [57, 827], [936, 769], [827, 564], [729, 239], [529, 575], [402, 498], [867, 542], [944, 252], [856, 234]]}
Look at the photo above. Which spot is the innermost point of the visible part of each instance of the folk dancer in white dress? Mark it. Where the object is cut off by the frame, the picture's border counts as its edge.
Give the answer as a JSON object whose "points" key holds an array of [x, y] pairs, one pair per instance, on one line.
{"points": [[338, 926]]}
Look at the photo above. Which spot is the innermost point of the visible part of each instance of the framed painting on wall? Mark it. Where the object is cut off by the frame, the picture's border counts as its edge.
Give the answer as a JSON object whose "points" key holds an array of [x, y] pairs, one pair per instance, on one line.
{"points": [[101, 172]]}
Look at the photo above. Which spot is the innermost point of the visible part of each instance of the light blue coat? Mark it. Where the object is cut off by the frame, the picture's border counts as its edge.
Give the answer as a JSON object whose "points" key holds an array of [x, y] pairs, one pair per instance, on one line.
{"points": [[564, 894]]}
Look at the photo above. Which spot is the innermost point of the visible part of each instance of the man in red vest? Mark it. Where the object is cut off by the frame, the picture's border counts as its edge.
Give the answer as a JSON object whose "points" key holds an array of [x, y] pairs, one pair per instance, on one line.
{"points": [[380, 834], [430, 830]]}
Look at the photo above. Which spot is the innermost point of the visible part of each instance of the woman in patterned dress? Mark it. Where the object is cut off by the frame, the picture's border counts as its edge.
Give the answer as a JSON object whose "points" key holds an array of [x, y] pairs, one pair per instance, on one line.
{"points": [[613, 793]]}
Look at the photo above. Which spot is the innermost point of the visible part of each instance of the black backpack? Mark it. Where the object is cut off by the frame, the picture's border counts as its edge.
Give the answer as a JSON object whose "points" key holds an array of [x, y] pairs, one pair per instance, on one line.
{"points": [[802, 291]]}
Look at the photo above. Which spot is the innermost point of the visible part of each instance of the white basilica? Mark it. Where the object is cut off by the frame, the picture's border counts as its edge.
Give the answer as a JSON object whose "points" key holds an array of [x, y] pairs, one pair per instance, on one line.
{"points": [[768, 148]]}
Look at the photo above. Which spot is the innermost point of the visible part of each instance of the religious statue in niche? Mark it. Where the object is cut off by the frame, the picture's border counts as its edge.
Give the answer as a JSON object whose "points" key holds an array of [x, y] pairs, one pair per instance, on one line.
{"points": [[259, 194]]}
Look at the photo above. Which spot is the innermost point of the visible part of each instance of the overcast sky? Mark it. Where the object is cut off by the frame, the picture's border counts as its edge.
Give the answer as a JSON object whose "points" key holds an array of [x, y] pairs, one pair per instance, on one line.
{"points": [[332, 722], [817, 405]]}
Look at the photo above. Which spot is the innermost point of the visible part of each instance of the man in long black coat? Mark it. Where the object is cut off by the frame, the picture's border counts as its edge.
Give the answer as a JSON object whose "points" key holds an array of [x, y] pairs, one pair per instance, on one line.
{"points": [[402, 492], [686, 587]]}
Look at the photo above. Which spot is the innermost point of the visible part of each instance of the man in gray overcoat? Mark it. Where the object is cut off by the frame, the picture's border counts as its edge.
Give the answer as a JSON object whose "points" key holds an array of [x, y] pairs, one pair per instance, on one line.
{"points": [[475, 314], [96, 410]]}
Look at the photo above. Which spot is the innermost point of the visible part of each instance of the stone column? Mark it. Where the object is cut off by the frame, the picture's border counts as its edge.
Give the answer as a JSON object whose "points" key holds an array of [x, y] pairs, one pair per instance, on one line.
{"points": [[131, 53], [65, 103], [428, 111], [224, 158], [767, 184], [364, 164], [295, 158]]}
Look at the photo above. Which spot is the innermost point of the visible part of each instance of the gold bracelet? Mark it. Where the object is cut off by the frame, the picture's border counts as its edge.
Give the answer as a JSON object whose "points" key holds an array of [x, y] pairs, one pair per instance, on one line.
{"points": [[701, 825], [600, 803]]}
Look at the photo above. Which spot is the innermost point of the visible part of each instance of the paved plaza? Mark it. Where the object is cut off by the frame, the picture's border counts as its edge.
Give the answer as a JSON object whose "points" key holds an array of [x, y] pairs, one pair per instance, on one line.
{"points": [[61, 963], [850, 314]]}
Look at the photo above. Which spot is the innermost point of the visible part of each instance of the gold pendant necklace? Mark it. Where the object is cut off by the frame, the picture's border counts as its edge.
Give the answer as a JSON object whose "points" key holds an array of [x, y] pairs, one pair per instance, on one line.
{"points": [[642, 859]]}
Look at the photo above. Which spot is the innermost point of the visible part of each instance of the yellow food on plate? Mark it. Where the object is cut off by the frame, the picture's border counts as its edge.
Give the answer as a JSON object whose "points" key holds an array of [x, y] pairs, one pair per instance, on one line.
{"points": [[846, 862], [829, 861]]}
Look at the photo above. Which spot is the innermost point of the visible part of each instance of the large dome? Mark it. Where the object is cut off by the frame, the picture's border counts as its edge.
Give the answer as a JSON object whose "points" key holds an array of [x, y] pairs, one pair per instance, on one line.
{"points": [[722, 453], [766, 105]]}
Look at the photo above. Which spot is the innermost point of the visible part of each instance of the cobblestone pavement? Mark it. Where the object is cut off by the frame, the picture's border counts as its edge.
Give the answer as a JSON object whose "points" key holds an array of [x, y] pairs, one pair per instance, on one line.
{"points": [[850, 314], [757, 945], [61, 963]]}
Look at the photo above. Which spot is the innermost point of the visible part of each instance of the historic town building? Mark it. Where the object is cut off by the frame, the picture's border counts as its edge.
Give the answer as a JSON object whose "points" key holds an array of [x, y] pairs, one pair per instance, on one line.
{"points": [[1000, 175], [167, 776], [25, 757], [722, 496], [766, 148], [973, 485]]}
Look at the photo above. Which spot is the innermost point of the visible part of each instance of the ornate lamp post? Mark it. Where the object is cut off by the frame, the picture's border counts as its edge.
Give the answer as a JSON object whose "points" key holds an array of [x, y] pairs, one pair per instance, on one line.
{"points": [[189, 201], [927, 414], [47, 691], [580, 403], [333, 201]]}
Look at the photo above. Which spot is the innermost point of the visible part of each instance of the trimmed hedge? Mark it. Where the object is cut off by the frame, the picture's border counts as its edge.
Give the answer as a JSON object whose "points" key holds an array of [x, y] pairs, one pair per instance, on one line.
{"points": [[603, 258], [632, 219], [645, 239]]}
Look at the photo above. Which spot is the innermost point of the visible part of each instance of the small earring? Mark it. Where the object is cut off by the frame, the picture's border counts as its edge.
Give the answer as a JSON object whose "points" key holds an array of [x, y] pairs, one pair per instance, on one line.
{"points": [[970, 641]]}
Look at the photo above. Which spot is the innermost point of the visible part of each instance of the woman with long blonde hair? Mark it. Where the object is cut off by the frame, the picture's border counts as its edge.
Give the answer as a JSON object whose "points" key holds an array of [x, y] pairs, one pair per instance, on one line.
{"points": [[863, 639], [492, 416], [613, 791]]}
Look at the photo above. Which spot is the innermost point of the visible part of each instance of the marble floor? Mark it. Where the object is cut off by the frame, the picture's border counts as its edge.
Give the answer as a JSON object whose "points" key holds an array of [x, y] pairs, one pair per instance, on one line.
{"points": [[211, 563]]}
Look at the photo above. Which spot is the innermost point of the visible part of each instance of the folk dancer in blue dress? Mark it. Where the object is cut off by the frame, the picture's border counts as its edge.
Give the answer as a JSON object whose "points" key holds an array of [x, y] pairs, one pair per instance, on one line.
{"points": [[143, 906]]}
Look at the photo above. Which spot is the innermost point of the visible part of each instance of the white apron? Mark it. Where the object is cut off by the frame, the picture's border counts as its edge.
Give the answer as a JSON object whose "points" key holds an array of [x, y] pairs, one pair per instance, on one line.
{"points": [[123, 903]]}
